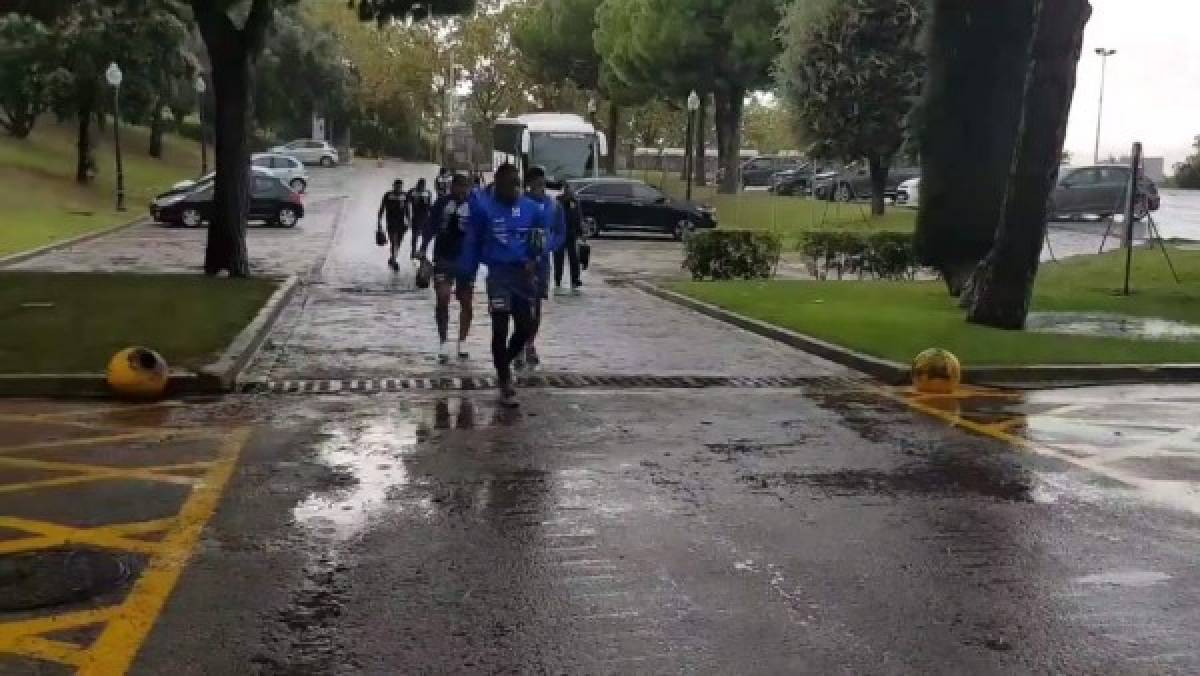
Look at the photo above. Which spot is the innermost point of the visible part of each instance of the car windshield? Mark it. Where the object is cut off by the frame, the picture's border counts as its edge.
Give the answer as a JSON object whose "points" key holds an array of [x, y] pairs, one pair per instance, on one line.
{"points": [[563, 155]]}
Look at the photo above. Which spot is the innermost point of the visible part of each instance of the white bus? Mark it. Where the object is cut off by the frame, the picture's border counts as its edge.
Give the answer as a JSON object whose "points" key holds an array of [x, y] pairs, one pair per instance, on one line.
{"points": [[565, 145]]}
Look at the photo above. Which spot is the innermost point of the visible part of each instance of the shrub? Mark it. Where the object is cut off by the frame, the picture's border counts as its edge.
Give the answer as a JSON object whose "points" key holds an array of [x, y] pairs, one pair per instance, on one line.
{"points": [[887, 255], [731, 254]]}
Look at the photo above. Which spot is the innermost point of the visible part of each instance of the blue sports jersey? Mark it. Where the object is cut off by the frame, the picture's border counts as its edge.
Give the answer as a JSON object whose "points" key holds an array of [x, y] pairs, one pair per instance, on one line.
{"points": [[504, 235]]}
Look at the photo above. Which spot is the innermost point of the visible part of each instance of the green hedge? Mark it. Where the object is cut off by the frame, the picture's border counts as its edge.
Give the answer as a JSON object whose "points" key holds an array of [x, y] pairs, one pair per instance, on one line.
{"points": [[886, 255], [731, 254]]}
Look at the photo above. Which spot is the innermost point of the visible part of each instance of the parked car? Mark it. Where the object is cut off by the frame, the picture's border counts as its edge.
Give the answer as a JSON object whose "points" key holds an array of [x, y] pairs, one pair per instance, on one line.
{"points": [[270, 201], [855, 183], [310, 151], [627, 204], [758, 171], [1101, 191], [798, 181], [908, 193], [283, 167]]}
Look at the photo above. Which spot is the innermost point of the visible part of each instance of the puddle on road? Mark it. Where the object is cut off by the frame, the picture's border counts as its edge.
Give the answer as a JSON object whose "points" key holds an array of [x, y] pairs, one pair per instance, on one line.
{"points": [[1125, 578], [1112, 326]]}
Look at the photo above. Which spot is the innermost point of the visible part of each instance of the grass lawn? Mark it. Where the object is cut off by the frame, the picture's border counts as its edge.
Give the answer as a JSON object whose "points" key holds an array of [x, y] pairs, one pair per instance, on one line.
{"points": [[188, 319], [786, 216], [40, 202], [896, 320]]}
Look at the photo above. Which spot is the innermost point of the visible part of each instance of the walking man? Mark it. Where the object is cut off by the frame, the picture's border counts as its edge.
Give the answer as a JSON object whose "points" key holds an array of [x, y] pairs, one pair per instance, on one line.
{"points": [[441, 184], [535, 190], [447, 228], [572, 215], [420, 202], [395, 208], [506, 232]]}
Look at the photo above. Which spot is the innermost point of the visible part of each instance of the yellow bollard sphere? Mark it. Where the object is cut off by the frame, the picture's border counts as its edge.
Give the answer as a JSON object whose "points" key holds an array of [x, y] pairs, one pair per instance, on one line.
{"points": [[936, 371], [138, 373]]}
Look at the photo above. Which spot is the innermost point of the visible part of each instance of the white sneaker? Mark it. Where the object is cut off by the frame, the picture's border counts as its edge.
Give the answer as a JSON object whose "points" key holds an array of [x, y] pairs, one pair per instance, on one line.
{"points": [[444, 353]]}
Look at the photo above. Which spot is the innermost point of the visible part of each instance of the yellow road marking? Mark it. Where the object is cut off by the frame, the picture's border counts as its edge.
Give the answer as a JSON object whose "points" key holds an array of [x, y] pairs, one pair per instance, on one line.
{"points": [[94, 472], [114, 650], [90, 426], [46, 541], [1176, 494], [11, 631], [46, 649], [103, 536], [103, 410], [152, 436]]}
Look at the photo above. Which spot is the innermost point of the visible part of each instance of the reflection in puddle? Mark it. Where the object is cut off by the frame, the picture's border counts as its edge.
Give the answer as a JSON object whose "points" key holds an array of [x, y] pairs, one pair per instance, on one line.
{"points": [[1111, 326], [368, 456]]}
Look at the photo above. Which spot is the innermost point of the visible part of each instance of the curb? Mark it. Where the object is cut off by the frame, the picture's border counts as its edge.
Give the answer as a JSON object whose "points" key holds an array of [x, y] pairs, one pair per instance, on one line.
{"points": [[218, 377], [895, 373], [22, 256], [887, 371], [222, 375]]}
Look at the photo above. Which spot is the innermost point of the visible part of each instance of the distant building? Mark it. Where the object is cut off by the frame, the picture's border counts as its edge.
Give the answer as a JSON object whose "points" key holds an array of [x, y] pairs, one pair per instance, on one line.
{"points": [[1154, 168]]}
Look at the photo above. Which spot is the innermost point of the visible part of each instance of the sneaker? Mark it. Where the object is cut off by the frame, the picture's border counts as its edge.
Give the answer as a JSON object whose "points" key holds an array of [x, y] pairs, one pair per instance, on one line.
{"points": [[559, 291], [508, 396], [462, 350], [531, 357], [393, 264], [444, 353]]}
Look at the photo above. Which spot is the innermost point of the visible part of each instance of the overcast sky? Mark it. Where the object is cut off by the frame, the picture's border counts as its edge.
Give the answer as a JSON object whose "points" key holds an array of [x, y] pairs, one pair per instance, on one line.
{"points": [[1152, 93]]}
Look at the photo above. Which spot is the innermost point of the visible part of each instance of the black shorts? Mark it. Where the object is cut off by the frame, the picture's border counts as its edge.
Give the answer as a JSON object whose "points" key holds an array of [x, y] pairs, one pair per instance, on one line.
{"points": [[396, 231], [511, 287], [446, 272]]}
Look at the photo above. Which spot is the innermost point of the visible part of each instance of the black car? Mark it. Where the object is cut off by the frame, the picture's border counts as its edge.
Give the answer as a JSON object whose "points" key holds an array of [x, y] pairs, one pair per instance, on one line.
{"points": [[855, 183], [626, 204], [270, 201], [798, 181], [1100, 191], [758, 171]]}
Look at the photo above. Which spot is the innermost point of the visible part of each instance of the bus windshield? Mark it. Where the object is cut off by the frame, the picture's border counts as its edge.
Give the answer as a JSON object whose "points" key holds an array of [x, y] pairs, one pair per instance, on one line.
{"points": [[563, 155]]}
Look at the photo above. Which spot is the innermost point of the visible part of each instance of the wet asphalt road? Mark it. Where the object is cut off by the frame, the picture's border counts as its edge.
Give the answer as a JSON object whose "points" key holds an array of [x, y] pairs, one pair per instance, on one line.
{"points": [[821, 528]]}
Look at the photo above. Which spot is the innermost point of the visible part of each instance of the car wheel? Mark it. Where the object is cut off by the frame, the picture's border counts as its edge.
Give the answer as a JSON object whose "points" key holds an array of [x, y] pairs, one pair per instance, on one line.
{"points": [[191, 217], [287, 217], [298, 185], [682, 230], [844, 193], [327, 161]]}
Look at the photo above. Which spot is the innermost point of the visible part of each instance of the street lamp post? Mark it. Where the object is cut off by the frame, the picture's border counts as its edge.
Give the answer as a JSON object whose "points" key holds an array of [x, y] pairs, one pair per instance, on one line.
{"points": [[114, 76], [693, 104], [1104, 54], [201, 87]]}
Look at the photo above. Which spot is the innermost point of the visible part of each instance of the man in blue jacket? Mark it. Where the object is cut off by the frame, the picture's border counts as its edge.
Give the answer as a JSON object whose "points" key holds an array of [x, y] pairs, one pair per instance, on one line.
{"points": [[535, 189], [507, 232]]}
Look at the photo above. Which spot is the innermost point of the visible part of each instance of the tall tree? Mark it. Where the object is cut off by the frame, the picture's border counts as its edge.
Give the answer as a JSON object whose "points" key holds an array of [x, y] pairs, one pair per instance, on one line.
{"points": [[851, 70], [27, 72], [768, 127], [1003, 285], [720, 47], [967, 122]]}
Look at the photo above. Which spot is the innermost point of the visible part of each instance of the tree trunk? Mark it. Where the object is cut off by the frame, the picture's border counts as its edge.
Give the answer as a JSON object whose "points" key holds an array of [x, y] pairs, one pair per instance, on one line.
{"points": [[700, 144], [728, 104], [232, 53], [84, 161], [614, 133], [156, 130], [1004, 283], [968, 117], [879, 174]]}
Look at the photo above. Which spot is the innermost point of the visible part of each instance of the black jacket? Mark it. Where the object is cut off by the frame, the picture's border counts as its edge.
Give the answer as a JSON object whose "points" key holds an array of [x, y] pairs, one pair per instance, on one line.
{"points": [[572, 214]]}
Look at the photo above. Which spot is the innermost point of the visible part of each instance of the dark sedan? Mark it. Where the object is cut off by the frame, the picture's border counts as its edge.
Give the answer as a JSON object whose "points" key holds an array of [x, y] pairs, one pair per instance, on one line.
{"points": [[855, 183], [624, 204], [1100, 191], [271, 202], [798, 181]]}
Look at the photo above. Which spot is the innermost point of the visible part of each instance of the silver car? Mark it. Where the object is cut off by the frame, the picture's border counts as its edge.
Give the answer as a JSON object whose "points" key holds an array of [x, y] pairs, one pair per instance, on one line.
{"points": [[283, 167], [310, 151]]}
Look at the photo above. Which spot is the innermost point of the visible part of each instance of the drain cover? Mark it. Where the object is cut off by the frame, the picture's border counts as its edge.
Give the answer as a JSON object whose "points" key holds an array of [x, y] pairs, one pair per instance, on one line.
{"points": [[31, 580], [557, 381]]}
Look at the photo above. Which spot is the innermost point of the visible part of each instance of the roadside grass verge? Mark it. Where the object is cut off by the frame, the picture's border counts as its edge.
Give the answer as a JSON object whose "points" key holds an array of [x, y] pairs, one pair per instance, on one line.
{"points": [[896, 320], [41, 203], [74, 322]]}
